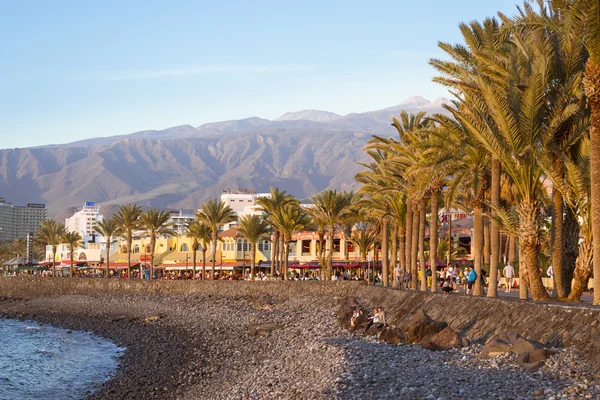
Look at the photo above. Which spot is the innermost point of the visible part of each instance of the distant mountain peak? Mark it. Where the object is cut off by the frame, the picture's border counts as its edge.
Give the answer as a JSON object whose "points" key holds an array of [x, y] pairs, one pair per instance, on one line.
{"points": [[309, 115], [415, 101]]}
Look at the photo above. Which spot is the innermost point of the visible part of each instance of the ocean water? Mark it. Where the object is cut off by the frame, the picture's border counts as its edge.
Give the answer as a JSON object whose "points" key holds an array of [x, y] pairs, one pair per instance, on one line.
{"points": [[43, 362]]}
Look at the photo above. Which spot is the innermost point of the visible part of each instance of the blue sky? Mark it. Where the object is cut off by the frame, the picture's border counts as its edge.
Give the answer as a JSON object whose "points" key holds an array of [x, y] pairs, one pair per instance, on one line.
{"points": [[76, 69]]}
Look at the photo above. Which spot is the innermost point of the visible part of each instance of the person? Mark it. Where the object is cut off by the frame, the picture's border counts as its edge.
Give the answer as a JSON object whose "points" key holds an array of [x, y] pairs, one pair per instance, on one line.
{"points": [[447, 285], [482, 276], [398, 276], [509, 276], [357, 317], [471, 279], [550, 273], [428, 275], [378, 317]]}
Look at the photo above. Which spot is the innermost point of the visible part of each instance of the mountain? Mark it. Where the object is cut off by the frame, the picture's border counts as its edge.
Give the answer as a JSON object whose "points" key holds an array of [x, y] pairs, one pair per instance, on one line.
{"points": [[309, 115], [180, 167]]}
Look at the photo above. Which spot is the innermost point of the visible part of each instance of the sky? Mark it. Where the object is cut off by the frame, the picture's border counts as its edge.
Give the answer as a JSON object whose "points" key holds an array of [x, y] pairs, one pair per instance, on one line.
{"points": [[71, 70]]}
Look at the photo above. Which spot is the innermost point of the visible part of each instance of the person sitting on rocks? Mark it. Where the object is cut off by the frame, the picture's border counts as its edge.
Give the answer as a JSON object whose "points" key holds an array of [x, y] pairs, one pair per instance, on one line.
{"points": [[378, 317], [448, 286], [356, 317]]}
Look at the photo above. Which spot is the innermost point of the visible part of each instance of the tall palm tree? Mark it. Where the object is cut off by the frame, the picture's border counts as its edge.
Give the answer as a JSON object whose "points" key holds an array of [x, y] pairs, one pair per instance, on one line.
{"points": [[199, 233], [127, 219], [270, 205], [50, 234], [331, 206], [253, 228], [215, 213], [155, 222], [364, 239], [109, 229], [74, 241], [580, 19], [289, 220]]}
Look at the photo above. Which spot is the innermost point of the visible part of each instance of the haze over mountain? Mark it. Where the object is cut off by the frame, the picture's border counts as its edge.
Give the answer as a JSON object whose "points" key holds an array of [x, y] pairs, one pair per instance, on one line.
{"points": [[302, 152]]}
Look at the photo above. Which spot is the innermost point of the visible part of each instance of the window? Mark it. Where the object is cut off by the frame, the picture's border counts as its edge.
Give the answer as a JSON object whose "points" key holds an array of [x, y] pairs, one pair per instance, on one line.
{"points": [[184, 248], [136, 249], [239, 245]]}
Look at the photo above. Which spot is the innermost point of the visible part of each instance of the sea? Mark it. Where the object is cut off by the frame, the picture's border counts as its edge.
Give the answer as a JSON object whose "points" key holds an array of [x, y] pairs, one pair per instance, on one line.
{"points": [[43, 362]]}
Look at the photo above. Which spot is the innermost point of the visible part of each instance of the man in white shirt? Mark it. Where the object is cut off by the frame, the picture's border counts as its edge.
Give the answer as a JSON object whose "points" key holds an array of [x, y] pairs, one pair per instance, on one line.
{"points": [[509, 276], [550, 273]]}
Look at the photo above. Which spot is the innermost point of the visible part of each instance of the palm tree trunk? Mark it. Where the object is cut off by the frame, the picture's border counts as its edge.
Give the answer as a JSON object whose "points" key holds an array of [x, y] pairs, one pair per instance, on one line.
{"points": [[273, 253], [214, 256], [433, 239], [107, 261], [583, 270], [529, 247], [512, 248], [557, 244], [450, 241], [53, 272], [330, 254], [402, 248], [408, 237], [385, 240], [422, 218], [477, 247], [494, 231], [591, 83], [71, 263], [486, 242], [570, 248], [153, 245], [414, 245], [203, 262], [194, 249], [253, 255], [286, 250], [394, 260], [129, 243]]}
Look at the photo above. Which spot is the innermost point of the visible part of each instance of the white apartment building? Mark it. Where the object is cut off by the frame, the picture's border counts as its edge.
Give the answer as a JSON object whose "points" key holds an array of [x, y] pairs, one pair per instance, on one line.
{"points": [[179, 219], [243, 202], [83, 221]]}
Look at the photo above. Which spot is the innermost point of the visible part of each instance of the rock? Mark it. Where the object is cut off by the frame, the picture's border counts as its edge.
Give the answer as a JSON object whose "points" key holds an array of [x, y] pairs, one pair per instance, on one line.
{"points": [[392, 336], [419, 326], [495, 347], [152, 319], [263, 329], [446, 339], [521, 345], [538, 392], [374, 329], [539, 355], [533, 366]]}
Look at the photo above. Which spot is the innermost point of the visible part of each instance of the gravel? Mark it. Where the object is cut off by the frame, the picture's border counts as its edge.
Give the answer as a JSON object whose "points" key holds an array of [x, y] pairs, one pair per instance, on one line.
{"points": [[280, 347]]}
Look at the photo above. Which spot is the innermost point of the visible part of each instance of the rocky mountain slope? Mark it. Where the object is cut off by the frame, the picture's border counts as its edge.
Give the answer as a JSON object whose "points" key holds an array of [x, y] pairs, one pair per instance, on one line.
{"points": [[181, 167]]}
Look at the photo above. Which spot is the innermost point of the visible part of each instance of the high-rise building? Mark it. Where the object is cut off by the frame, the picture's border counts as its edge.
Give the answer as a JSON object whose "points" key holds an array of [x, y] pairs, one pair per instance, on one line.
{"points": [[17, 221], [83, 221]]}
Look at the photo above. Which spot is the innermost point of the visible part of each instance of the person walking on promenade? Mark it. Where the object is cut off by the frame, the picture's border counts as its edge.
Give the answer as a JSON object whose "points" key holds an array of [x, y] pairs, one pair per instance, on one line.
{"points": [[509, 276], [550, 273], [397, 276], [471, 280]]}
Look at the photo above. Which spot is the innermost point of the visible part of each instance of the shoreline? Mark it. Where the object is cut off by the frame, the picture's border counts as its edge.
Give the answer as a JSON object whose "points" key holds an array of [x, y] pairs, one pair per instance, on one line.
{"points": [[280, 341]]}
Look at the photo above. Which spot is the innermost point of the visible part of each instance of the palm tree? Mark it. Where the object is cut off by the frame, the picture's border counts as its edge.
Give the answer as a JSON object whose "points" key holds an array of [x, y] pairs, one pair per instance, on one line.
{"points": [[215, 213], [270, 205], [109, 228], [49, 234], [331, 207], [155, 222], [253, 228], [199, 233], [74, 241], [127, 219], [289, 220], [579, 19], [364, 239]]}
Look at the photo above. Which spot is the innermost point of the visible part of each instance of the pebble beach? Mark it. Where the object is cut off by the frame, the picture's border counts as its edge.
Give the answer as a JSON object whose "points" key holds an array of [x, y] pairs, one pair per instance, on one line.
{"points": [[210, 346]]}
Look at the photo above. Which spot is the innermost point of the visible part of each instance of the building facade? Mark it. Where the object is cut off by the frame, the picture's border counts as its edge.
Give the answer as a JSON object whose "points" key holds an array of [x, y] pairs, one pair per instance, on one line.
{"points": [[84, 221], [243, 202], [17, 221]]}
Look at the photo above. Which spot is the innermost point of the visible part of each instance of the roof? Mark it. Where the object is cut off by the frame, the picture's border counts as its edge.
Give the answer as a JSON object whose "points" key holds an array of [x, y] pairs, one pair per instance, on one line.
{"points": [[231, 233]]}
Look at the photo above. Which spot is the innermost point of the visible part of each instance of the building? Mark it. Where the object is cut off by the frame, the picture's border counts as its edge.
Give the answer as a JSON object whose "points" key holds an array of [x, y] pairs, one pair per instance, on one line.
{"points": [[178, 220], [243, 202], [17, 221], [84, 221]]}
